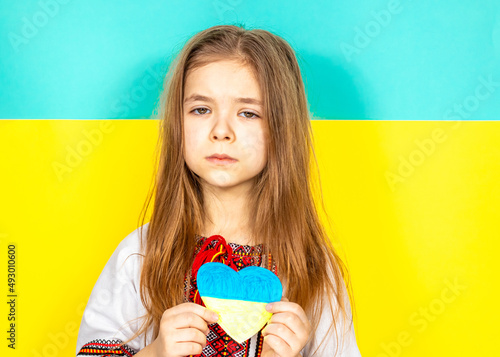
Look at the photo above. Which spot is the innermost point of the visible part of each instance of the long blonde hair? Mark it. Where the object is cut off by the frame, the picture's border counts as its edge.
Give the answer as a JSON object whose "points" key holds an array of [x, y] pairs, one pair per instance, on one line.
{"points": [[286, 220]]}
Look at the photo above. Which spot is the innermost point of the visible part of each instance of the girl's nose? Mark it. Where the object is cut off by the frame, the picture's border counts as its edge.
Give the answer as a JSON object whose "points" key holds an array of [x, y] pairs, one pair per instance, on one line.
{"points": [[222, 129], [221, 137]]}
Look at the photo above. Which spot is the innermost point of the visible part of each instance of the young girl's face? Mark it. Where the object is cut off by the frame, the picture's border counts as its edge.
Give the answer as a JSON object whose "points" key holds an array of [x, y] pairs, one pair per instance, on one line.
{"points": [[223, 114]]}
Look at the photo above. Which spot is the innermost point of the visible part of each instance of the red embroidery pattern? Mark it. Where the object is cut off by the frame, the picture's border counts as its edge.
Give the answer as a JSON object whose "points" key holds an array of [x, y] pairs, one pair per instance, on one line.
{"points": [[106, 348]]}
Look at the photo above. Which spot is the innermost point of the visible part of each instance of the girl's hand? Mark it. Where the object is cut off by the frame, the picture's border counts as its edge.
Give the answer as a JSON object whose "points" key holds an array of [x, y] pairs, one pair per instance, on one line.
{"points": [[287, 332], [183, 330]]}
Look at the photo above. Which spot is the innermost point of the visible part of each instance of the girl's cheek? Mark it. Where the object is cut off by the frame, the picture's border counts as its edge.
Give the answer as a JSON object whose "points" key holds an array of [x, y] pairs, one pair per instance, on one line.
{"points": [[191, 136]]}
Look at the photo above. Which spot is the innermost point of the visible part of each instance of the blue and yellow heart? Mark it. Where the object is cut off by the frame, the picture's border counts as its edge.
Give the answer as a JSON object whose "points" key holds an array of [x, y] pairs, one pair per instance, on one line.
{"points": [[240, 298]]}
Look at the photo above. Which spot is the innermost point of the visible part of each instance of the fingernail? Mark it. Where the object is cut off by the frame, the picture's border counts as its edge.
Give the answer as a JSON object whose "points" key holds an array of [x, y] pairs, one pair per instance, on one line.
{"points": [[215, 316], [269, 307]]}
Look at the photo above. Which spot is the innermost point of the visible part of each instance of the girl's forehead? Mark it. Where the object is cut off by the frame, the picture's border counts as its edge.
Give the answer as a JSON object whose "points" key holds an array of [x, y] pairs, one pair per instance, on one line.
{"points": [[229, 67], [224, 79]]}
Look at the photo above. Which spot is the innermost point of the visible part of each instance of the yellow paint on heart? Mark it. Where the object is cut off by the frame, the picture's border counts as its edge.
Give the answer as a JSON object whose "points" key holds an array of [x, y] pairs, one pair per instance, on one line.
{"points": [[240, 319]]}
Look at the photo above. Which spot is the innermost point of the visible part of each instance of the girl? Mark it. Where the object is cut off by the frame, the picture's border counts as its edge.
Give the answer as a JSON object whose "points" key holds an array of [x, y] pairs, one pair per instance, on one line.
{"points": [[233, 186]]}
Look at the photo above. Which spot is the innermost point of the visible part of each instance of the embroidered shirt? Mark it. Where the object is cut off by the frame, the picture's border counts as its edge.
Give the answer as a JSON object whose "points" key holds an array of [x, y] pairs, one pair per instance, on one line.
{"points": [[114, 310]]}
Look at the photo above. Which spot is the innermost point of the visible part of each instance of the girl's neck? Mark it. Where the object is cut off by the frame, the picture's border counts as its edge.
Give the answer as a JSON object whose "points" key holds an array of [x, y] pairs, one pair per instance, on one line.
{"points": [[226, 214]]}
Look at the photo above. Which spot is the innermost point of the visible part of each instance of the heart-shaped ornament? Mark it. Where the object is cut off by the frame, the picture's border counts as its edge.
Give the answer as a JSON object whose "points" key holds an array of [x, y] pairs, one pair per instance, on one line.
{"points": [[240, 298]]}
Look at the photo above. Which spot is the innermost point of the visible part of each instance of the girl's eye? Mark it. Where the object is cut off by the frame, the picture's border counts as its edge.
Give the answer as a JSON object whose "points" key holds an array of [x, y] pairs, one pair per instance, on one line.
{"points": [[199, 109], [253, 115]]}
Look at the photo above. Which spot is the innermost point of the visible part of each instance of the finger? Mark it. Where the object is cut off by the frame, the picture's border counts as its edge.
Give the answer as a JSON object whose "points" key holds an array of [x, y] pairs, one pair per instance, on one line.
{"points": [[284, 299], [286, 306], [267, 351], [203, 312], [291, 321], [188, 348], [187, 320], [190, 335], [283, 332], [280, 347]]}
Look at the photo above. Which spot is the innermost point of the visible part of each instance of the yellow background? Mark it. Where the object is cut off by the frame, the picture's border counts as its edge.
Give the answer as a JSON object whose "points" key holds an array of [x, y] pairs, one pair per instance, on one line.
{"points": [[405, 243]]}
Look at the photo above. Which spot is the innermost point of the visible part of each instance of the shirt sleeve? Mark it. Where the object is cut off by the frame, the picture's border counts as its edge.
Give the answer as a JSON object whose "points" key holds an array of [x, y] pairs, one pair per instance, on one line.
{"points": [[346, 337], [114, 304]]}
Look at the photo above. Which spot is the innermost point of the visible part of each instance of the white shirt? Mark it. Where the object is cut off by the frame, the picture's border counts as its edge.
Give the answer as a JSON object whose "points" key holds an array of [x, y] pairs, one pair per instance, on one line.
{"points": [[115, 300]]}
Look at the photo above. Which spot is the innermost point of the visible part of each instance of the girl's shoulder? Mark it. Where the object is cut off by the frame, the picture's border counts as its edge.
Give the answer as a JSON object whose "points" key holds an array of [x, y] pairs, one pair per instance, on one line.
{"points": [[132, 243]]}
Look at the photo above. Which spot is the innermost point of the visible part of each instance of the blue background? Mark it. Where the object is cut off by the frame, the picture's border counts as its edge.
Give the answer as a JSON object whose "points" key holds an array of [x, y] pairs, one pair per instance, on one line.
{"points": [[105, 59]]}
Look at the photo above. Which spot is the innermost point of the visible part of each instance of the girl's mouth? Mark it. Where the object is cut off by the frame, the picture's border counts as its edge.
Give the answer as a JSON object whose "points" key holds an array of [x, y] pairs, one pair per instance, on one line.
{"points": [[217, 161]]}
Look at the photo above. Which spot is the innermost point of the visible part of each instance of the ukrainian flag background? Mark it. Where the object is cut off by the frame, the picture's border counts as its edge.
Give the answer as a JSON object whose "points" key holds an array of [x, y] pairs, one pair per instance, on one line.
{"points": [[406, 102]]}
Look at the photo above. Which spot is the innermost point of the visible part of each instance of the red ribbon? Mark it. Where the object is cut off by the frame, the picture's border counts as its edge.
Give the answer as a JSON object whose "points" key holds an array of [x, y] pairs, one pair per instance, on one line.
{"points": [[215, 254]]}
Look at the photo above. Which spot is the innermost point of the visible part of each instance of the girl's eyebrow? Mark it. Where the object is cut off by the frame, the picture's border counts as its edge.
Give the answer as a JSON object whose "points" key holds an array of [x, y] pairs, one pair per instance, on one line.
{"points": [[194, 97]]}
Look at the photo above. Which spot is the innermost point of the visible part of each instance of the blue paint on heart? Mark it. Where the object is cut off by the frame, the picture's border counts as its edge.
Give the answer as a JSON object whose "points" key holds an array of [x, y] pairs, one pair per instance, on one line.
{"points": [[252, 283]]}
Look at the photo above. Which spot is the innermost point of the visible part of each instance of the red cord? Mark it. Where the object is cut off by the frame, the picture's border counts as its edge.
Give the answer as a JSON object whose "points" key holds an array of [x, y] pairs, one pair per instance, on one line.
{"points": [[215, 254]]}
